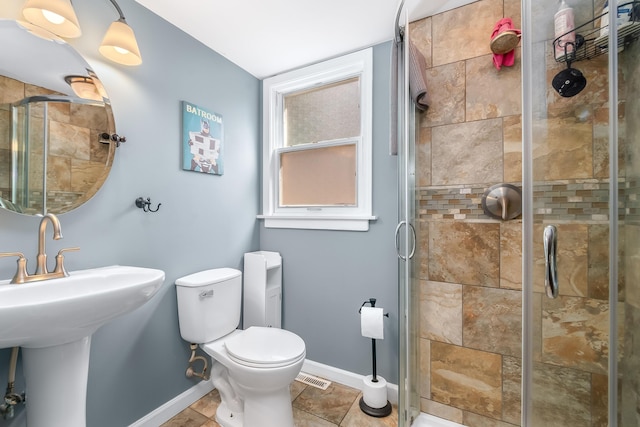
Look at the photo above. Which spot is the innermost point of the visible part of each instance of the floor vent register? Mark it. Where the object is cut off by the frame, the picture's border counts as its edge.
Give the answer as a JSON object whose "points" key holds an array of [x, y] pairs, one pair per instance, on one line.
{"points": [[313, 381]]}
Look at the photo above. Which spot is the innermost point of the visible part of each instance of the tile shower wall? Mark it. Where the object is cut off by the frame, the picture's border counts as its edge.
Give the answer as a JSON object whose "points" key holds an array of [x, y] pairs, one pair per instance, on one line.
{"points": [[470, 275], [470, 265]]}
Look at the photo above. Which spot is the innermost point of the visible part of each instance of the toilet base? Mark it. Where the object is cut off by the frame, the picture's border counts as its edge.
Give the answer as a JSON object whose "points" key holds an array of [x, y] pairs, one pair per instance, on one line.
{"points": [[272, 409], [226, 418]]}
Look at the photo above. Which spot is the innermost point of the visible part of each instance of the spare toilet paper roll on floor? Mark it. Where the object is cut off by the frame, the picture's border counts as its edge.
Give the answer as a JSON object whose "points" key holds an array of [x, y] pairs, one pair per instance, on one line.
{"points": [[371, 322], [374, 394]]}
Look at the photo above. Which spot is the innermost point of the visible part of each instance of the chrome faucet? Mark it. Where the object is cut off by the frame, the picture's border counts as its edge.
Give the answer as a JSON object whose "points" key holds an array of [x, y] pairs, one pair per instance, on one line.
{"points": [[42, 273]]}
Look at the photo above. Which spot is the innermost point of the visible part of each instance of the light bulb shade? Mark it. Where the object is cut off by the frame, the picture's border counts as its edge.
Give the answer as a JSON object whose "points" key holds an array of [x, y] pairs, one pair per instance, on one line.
{"points": [[84, 87], [40, 32], [56, 16], [98, 84], [120, 45]]}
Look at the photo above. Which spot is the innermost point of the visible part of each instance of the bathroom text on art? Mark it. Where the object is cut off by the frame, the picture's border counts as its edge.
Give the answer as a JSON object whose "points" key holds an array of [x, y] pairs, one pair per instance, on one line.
{"points": [[201, 113]]}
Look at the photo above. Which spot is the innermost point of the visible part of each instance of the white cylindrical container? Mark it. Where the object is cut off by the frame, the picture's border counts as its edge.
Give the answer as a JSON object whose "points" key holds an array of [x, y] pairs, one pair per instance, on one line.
{"points": [[623, 15], [564, 26], [374, 394], [625, 12]]}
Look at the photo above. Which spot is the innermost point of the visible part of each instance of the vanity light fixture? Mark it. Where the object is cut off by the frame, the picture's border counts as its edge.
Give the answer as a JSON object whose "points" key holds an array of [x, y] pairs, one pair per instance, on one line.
{"points": [[84, 87], [57, 16], [119, 44]]}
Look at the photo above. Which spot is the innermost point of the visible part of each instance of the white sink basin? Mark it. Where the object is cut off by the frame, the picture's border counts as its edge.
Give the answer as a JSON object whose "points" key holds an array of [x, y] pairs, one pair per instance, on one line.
{"points": [[53, 321], [58, 311]]}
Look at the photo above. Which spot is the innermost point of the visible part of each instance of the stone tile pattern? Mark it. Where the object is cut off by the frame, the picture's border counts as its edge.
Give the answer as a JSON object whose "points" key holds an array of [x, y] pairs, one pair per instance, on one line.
{"points": [[575, 200], [76, 160], [470, 264], [338, 406]]}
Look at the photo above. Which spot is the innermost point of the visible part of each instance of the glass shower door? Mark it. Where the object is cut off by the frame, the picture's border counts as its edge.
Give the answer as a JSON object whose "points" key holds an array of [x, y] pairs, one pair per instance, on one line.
{"points": [[578, 172], [409, 395]]}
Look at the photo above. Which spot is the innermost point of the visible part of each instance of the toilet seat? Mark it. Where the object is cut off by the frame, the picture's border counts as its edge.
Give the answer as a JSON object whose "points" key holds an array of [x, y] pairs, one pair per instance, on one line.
{"points": [[262, 347]]}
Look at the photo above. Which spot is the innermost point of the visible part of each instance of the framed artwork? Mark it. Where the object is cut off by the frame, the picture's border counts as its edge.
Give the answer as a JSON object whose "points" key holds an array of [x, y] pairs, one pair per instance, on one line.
{"points": [[202, 136]]}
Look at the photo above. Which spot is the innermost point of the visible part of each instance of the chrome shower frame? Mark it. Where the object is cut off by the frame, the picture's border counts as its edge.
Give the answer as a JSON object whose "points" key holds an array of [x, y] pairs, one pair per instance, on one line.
{"points": [[404, 131]]}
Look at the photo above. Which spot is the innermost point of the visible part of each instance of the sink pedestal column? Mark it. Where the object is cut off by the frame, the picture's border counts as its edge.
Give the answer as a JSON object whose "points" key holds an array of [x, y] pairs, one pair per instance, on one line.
{"points": [[56, 382]]}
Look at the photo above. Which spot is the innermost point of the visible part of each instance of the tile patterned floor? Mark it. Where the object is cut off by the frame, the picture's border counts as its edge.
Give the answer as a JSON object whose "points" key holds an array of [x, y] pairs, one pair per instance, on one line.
{"points": [[312, 407]]}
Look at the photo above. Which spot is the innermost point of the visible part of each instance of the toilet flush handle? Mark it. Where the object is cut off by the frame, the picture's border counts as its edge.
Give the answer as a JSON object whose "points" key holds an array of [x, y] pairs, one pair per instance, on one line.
{"points": [[206, 294]]}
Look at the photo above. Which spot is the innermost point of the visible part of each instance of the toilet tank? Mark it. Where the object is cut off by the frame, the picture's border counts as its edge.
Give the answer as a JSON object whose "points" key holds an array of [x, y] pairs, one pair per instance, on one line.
{"points": [[209, 304]]}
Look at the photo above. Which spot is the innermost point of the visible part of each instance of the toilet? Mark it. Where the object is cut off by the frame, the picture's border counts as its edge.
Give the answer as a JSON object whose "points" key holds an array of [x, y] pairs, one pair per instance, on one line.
{"points": [[253, 368]]}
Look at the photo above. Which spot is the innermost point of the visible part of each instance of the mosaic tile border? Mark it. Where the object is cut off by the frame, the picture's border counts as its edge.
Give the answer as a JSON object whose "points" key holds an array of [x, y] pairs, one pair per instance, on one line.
{"points": [[570, 200]]}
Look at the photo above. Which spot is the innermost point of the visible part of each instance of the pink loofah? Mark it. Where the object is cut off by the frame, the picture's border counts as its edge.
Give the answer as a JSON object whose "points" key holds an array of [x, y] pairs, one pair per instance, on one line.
{"points": [[504, 39]]}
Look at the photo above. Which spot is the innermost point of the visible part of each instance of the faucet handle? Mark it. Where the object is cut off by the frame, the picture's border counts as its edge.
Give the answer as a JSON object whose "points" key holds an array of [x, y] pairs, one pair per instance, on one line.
{"points": [[60, 260], [21, 272], [18, 254]]}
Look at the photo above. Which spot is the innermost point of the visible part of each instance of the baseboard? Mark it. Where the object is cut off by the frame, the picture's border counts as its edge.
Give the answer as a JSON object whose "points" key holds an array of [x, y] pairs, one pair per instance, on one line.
{"points": [[176, 405], [179, 403], [345, 377]]}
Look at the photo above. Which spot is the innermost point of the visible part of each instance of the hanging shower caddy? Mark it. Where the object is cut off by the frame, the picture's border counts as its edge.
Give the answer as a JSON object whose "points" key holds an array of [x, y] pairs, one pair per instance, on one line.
{"points": [[589, 43]]}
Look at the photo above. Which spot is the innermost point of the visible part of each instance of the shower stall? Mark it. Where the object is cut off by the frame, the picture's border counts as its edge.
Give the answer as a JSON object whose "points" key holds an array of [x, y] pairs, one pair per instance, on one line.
{"points": [[486, 337]]}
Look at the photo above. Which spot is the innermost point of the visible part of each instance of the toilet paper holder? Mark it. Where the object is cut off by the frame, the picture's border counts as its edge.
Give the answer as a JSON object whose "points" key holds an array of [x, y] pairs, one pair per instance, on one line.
{"points": [[385, 409], [371, 301]]}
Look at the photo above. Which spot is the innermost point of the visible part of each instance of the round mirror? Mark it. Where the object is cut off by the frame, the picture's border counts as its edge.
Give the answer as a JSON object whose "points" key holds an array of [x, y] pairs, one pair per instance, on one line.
{"points": [[55, 123]]}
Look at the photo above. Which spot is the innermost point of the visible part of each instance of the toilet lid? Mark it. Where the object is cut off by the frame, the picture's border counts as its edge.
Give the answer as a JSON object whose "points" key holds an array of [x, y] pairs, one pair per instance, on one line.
{"points": [[265, 346]]}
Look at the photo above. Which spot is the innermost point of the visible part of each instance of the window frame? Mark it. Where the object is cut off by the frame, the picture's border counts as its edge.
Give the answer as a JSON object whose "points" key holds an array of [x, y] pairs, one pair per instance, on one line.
{"points": [[354, 218]]}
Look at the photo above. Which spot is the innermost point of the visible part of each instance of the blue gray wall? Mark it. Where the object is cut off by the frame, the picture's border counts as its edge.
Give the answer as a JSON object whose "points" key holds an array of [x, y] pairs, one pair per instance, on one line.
{"points": [[138, 361]]}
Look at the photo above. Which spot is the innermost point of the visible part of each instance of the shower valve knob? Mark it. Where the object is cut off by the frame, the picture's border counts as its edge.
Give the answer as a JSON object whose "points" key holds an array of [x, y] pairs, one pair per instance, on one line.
{"points": [[502, 201]]}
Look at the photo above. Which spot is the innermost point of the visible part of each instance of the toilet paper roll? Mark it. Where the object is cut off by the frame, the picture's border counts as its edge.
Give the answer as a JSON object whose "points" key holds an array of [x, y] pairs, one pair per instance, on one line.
{"points": [[371, 323], [374, 394]]}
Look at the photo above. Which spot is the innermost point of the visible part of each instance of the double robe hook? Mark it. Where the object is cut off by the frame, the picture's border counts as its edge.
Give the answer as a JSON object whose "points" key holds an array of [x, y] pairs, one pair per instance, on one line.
{"points": [[145, 204]]}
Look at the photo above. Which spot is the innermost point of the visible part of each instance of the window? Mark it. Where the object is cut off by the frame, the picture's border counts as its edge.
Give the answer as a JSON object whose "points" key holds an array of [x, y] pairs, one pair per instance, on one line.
{"points": [[317, 146]]}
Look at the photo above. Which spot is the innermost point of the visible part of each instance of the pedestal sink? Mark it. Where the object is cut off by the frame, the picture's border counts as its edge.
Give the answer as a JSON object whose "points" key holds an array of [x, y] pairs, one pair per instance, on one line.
{"points": [[53, 321]]}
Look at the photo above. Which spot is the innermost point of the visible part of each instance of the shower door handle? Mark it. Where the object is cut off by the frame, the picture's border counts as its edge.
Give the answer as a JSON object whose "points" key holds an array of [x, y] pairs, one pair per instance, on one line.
{"points": [[550, 261], [413, 235]]}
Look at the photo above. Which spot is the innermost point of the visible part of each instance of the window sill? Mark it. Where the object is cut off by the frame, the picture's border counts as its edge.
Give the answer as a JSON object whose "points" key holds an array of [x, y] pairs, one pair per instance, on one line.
{"points": [[352, 223]]}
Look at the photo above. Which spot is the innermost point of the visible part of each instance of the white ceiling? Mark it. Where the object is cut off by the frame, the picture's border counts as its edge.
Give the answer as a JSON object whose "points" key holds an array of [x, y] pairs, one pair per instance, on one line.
{"points": [[267, 37]]}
